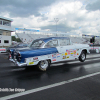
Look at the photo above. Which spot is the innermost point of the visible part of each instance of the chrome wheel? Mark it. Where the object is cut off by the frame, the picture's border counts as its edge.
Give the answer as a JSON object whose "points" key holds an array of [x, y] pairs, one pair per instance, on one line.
{"points": [[43, 65], [82, 56]]}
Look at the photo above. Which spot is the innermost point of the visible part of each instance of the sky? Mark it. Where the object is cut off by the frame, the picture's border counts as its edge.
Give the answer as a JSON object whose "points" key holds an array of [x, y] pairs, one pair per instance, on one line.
{"points": [[74, 17]]}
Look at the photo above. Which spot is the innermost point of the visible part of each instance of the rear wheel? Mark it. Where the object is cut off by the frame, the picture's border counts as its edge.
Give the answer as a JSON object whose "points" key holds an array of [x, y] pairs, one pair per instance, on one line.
{"points": [[43, 65], [82, 56]]}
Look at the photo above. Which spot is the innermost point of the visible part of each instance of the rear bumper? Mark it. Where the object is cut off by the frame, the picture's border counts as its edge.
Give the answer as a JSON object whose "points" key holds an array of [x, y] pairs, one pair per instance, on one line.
{"points": [[17, 63], [11, 60]]}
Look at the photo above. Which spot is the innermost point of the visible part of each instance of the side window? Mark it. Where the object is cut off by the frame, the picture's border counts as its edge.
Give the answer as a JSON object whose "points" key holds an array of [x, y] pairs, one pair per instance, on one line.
{"points": [[0, 22], [6, 41], [37, 44], [52, 43], [64, 42]]}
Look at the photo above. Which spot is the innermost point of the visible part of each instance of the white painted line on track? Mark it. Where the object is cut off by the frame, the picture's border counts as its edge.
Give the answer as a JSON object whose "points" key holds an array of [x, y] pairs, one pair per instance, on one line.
{"points": [[85, 61], [47, 87]]}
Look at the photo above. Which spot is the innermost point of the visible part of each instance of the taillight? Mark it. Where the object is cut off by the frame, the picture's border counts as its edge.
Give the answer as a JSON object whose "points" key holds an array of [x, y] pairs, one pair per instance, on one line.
{"points": [[19, 55], [9, 56]]}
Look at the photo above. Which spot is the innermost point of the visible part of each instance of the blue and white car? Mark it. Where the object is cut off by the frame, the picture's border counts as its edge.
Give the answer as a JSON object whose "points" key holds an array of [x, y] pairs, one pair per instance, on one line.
{"points": [[42, 52]]}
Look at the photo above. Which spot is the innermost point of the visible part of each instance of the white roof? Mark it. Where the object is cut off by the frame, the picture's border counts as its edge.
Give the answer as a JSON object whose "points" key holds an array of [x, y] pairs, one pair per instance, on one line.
{"points": [[6, 18]]}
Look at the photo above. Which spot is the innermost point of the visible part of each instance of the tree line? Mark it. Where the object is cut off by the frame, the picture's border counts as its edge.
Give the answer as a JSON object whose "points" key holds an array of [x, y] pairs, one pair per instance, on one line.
{"points": [[15, 39]]}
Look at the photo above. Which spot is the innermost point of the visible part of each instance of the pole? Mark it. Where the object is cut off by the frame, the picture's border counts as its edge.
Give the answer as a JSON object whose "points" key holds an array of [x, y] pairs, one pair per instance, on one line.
{"points": [[56, 20]]}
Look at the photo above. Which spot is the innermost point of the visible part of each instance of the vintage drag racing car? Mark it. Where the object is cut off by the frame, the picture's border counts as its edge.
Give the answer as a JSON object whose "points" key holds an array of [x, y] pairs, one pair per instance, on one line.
{"points": [[44, 51]]}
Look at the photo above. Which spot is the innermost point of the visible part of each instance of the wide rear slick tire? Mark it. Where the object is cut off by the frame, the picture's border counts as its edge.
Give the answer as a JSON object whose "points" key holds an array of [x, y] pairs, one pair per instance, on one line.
{"points": [[82, 56], [43, 65]]}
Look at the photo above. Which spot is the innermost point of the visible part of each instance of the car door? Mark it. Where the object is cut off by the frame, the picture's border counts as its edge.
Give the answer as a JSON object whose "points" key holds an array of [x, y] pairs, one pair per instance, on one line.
{"points": [[66, 50]]}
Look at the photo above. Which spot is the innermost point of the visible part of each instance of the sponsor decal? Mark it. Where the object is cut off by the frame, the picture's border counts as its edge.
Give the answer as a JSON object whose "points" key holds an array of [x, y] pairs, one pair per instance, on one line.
{"points": [[54, 55], [64, 57], [62, 54], [67, 57], [66, 53], [2, 50], [72, 53], [36, 58], [30, 63], [77, 53], [58, 56], [54, 60]]}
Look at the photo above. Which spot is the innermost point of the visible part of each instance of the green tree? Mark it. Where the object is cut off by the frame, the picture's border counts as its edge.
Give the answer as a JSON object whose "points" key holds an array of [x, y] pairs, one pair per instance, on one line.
{"points": [[16, 39], [13, 38]]}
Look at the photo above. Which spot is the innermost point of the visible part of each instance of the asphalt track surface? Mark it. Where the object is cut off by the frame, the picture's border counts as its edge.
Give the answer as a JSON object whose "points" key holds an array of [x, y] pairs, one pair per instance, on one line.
{"points": [[72, 80]]}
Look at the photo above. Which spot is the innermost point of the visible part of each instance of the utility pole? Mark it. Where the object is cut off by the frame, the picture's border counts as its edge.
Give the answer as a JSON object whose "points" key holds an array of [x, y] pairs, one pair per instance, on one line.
{"points": [[56, 20]]}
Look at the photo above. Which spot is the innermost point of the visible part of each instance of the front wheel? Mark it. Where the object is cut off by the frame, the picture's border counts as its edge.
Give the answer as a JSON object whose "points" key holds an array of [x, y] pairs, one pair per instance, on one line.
{"points": [[82, 56], [43, 65]]}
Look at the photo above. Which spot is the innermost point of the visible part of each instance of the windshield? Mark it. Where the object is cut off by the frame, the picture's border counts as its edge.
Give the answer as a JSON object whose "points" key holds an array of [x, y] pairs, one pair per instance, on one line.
{"points": [[37, 44]]}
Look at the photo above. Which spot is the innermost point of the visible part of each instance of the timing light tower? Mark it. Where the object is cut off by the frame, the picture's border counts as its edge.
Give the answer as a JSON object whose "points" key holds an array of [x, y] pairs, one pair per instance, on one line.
{"points": [[56, 20]]}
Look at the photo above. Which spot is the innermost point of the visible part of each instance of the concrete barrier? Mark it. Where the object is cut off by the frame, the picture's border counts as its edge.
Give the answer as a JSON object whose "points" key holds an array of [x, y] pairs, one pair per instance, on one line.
{"points": [[95, 49], [2, 50]]}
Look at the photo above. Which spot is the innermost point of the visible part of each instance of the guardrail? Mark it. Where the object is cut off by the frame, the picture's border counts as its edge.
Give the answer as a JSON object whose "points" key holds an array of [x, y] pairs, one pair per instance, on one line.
{"points": [[95, 49]]}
